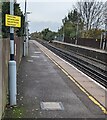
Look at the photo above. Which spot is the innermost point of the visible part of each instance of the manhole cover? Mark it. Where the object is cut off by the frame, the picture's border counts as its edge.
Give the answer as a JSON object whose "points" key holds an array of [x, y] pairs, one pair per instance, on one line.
{"points": [[52, 106]]}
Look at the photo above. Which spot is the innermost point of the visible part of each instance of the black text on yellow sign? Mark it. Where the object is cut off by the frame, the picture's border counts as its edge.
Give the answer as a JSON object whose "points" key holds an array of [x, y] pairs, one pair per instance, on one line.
{"points": [[12, 21]]}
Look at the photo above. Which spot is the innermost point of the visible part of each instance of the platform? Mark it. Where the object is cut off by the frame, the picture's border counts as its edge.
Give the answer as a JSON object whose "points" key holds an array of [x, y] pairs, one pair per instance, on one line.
{"points": [[45, 89]]}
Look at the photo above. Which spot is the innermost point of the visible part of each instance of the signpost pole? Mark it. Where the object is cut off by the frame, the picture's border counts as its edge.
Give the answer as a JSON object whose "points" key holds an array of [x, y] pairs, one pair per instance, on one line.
{"points": [[12, 63], [24, 44]]}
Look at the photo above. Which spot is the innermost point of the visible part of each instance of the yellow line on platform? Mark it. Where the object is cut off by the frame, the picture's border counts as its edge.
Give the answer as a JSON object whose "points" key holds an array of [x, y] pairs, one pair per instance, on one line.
{"points": [[79, 86]]}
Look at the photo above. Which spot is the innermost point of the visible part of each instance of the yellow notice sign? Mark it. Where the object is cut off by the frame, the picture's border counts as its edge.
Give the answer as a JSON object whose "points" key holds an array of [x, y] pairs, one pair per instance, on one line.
{"points": [[12, 21]]}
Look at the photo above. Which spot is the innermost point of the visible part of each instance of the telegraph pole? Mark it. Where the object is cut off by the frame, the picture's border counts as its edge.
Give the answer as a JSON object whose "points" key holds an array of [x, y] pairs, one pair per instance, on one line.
{"points": [[12, 63]]}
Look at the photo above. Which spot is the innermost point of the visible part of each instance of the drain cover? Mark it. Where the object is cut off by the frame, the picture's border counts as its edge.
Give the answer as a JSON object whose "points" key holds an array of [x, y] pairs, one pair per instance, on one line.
{"points": [[52, 106]]}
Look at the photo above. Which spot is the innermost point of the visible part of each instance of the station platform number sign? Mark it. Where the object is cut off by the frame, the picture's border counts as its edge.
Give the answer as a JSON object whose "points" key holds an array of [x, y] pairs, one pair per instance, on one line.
{"points": [[12, 20]]}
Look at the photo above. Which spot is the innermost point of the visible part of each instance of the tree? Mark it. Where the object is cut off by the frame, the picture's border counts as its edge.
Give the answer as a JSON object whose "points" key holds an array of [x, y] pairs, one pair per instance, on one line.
{"points": [[71, 23], [91, 12], [48, 34], [93, 33]]}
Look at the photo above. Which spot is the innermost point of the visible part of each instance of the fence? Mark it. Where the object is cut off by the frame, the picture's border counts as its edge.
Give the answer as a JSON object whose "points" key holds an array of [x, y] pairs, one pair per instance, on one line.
{"points": [[88, 42]]}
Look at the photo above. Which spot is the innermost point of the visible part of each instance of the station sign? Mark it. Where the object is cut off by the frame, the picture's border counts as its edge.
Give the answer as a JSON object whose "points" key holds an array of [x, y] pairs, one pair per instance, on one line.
{"points": [[12, 20]]}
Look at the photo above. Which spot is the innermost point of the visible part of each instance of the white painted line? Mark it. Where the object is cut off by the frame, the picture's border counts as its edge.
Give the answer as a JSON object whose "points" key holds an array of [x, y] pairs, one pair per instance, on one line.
{"points": [[80, 71], [37, 52], [35, 56], [30, 60], [83, 89]]}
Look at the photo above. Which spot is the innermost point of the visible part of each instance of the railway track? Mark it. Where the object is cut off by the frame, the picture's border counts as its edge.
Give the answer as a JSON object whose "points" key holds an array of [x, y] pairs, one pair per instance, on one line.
{"points": [[94, 69]]}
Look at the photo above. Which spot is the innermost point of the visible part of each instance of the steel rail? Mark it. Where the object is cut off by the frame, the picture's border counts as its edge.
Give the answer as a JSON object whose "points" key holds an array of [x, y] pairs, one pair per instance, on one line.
{"points": [[98, 74]]}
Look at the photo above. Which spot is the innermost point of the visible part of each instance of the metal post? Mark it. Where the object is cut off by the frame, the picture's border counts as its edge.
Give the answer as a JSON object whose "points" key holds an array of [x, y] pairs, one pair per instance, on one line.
{"points": [[12, 63], [101, 40], [106, 34], [26, 32], [63, 21], [63, 33], [24, 44], [27, 40], [104, 41], [76, 33], [24, 47], [105, 16]]}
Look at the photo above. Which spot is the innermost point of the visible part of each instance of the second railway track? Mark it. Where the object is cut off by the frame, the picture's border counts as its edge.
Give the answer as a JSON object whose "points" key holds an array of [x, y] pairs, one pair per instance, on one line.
{"points": [[95, 71]]}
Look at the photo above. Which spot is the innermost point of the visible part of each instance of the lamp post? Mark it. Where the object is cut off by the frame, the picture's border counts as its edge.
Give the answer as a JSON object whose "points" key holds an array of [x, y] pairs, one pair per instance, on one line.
{"points": [[101, 40], [24, 44], [26, 33], [105, 34], [12, 63], [0, 17], [63, 21], [58, 34], [76, 34], [77, 27]]}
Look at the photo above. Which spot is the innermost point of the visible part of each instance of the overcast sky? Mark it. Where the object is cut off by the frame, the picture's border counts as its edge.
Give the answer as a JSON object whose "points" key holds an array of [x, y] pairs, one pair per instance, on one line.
{"points": [[46, 13]]}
